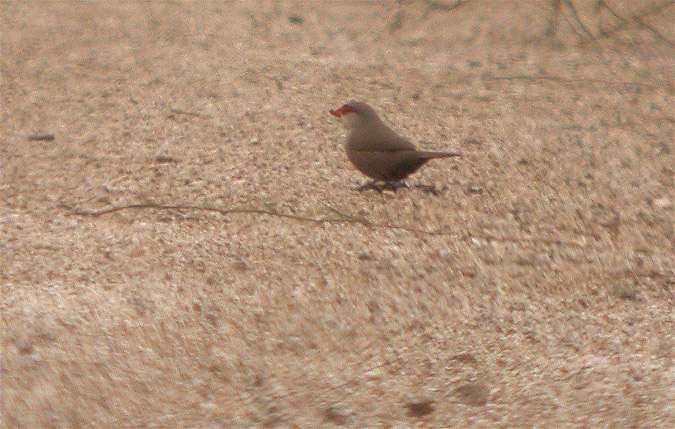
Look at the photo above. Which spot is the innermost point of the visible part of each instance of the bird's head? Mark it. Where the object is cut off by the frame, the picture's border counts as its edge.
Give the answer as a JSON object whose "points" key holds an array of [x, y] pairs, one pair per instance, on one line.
{"points": [[355, 114]]}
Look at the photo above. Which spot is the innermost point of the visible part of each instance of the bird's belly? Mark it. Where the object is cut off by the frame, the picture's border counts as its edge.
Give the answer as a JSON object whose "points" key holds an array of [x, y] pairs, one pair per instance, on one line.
{"points": [[369, 163], [395, 165]]}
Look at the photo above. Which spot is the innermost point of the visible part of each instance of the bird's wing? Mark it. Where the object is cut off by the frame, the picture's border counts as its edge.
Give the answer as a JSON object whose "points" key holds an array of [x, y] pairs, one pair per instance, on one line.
{"points": [[379, 140]]}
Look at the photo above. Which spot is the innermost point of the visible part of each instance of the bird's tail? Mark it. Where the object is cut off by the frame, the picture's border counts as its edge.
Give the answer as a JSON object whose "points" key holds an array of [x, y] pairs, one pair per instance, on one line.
{"points": [[432, 155]]}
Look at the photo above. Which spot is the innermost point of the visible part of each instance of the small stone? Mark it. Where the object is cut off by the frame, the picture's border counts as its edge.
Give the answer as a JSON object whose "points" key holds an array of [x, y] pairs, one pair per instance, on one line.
{"points": [[663, 203], [296, 19], [164, 159], [465, 358], [41, 137], [420, 409], [24, 347], [474, 394], [240, 266], [332, 415], [628, 292]]}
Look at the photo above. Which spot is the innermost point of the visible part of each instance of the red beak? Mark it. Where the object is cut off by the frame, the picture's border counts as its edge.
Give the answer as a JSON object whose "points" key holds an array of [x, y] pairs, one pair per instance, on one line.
{"points": [[346, 108]]}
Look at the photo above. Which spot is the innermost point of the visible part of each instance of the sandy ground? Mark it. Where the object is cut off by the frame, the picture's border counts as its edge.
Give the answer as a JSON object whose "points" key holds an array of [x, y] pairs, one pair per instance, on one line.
{"points": [[536, 288]]}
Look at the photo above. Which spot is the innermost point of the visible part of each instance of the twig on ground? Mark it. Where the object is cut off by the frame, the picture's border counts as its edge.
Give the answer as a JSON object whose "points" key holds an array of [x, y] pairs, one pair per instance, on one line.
{"points": [[224, 212], [438, 5], [41, 137], [575, 15], [552, 29], [570, 80], [649, 11], [347, 217], [574, 28], [636, 19], [510, 239], [341, 219], [186, 113]]}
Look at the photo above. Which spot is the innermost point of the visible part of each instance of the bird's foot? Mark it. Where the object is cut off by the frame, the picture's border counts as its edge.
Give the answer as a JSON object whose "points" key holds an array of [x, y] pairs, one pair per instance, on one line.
{"points": [[430, 189], [395, 185], [368, 186], [384, 186]]}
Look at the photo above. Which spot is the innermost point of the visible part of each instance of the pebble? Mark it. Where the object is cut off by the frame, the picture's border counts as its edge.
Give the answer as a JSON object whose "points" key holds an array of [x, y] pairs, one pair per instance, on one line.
{"points": [[663, 203]]}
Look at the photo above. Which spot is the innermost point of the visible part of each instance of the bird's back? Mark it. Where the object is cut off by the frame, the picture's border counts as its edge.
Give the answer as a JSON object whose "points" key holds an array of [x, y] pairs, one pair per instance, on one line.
{"points": [[379, 138]]}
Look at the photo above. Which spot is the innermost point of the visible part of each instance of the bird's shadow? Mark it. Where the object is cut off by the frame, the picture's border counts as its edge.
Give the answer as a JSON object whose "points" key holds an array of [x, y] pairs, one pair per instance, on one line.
{"points": [[395, 186]]}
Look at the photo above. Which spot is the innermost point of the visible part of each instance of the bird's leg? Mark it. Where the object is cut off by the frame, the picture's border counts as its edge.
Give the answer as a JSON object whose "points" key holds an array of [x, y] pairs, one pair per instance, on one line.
{"points": [[394, 185], [371, 184]]}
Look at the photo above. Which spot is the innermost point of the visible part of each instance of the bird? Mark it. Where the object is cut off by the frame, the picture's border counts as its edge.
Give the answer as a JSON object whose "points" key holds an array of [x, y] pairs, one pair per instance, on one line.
{"points": [[378, 151]]}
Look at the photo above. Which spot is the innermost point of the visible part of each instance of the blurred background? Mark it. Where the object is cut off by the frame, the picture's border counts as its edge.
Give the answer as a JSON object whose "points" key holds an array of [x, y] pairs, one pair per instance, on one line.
{"points": [[535, 289]]}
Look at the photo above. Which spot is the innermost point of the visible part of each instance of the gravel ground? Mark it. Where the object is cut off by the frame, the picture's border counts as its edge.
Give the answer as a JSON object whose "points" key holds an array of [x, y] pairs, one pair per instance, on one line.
{"points": [[534, 288]]}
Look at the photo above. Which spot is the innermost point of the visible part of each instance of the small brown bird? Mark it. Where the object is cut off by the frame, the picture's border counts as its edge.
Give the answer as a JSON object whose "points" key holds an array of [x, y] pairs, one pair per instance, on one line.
{"points": [[376, 150]]}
